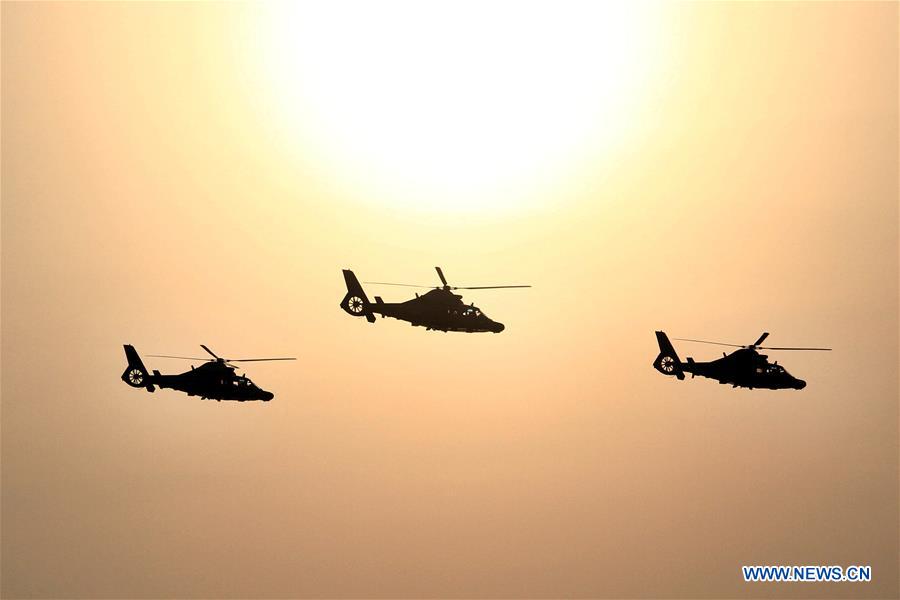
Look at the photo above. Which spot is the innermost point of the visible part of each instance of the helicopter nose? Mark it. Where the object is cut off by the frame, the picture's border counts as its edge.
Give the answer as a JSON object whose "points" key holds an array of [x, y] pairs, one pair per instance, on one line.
{"points": [[266, 396], [800, 384], [498, 327]]}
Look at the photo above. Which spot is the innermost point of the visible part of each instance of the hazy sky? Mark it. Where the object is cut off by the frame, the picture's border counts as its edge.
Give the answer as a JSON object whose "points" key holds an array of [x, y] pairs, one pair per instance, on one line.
{"points": [[177, 174]]}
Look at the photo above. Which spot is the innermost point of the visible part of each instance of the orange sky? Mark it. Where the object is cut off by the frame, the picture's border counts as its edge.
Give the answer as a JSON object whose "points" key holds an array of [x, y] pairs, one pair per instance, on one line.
{"points": [[177, 174]]}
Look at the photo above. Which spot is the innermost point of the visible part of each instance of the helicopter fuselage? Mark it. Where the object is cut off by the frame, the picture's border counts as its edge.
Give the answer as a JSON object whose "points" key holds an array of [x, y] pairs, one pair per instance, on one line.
{"points": [[745, 368], [440, 310], [742, 368], [212, 380], [217, 384]]}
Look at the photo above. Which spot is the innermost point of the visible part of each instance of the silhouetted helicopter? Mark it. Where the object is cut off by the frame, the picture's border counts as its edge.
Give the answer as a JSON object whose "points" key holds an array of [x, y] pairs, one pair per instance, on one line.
{"points": [[214, 379], [745, 367], [439, 309]]}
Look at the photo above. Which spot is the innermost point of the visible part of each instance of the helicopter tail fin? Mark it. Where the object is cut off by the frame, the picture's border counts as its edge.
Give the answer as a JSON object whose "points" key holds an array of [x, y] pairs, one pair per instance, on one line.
{"points": [[667, 362], [355, 303], [136, 374]]}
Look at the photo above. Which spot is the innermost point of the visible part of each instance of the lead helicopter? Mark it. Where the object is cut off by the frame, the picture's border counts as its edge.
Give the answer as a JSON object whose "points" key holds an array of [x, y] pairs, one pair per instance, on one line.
{"points": [[215, 379], [438, 309], [742, 368]]}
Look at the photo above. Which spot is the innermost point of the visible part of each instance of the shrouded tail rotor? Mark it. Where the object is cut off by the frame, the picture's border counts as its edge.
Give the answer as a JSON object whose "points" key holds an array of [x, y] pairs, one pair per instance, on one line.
{"points": [[355, 303], [667, 361], [134, 377], [135, 373]]}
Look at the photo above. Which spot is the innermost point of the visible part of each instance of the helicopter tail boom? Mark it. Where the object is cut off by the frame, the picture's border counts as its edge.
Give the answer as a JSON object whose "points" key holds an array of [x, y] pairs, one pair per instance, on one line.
{"points": [[356, 303], [667, 362]]}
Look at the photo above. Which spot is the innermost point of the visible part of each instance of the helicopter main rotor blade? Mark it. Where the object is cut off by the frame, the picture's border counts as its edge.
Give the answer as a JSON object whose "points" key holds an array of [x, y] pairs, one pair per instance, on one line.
{"points": [[487, 287], [181, 357], [208, 350], [441, 275], [708, 342], [400, 284], [791, 348], [256, 359], [760, 340]]}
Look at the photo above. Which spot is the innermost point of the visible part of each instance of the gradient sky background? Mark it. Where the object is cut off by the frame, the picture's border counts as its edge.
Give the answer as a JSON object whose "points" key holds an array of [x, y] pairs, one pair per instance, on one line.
{"points": [[177, 174]]}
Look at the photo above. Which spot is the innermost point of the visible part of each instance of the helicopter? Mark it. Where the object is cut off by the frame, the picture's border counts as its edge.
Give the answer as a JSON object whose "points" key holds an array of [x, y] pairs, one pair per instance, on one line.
{"points": [[215, 379], [742, 368], [439, 309]]}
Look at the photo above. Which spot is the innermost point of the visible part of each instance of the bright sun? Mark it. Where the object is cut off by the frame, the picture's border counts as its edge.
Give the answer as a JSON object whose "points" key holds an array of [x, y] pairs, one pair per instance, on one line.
{"points": [[453, 106]]}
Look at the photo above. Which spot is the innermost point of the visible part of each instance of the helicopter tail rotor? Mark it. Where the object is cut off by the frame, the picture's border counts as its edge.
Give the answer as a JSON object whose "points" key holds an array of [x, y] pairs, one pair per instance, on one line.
{"points": [[667, 362], [136, 374], [356, 303]]}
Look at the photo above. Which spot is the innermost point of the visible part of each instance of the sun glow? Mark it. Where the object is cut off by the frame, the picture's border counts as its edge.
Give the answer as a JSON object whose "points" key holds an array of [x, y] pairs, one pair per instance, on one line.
{"points": [[459, 105]]}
